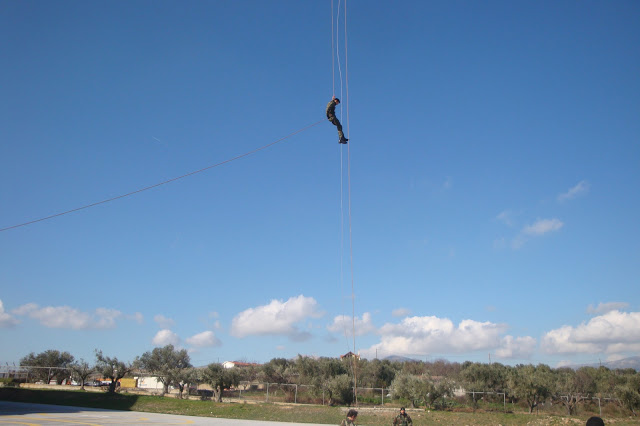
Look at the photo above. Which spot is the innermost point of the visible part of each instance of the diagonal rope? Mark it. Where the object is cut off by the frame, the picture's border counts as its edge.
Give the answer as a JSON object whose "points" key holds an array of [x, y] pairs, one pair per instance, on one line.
{"points": [[166, 181]]}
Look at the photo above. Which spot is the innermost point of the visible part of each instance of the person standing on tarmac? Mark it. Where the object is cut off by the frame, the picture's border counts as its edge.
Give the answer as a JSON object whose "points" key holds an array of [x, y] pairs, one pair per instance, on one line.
{"points": [[402, 419], [331, 116], [351, 418]]}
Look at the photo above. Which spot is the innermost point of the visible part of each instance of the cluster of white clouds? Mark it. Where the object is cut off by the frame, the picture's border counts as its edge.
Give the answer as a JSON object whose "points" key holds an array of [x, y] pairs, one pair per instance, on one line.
{"points": [[66, 317], [165, 336], [277, 318], [206, 339], [346, 325], [610, 331], [419, 335], [540, 226]]}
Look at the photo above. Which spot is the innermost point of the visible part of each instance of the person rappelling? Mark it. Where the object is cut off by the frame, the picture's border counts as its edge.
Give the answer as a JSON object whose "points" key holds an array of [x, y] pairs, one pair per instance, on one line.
{"points": [[331, 116]]}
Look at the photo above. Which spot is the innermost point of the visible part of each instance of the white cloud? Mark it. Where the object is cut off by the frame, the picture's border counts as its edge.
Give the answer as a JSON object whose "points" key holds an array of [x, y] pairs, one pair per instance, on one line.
{"points": [[6, 320], [519, 347], [542, 226], [276, 318], [581, 188], [204, 340], [345, 324], [25, 309], [536, 229], [163, 321], [430, 334], [61, 317], [137, 317], [604, 308], [165, 337], [401, 312], [613, 332], [106, 318], [68, 317], [506, 217]]}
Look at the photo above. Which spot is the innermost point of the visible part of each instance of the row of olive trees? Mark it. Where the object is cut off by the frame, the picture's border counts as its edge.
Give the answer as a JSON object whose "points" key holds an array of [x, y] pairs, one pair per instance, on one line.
{"points": [[171, 367], [535, 384], [52, 365], [419, 382]]}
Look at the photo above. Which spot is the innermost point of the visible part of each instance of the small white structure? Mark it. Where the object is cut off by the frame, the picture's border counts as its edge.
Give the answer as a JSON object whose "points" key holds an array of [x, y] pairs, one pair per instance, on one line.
{"points": [[234, 364], [149, 383]]}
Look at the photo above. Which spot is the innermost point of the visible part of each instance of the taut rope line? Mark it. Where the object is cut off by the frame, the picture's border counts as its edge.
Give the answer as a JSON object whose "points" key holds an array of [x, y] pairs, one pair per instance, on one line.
{"points": [[165, 182]]}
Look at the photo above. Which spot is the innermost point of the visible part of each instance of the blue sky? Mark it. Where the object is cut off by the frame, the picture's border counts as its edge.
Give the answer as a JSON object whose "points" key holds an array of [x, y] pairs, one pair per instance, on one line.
{"points": [[494, 168]]}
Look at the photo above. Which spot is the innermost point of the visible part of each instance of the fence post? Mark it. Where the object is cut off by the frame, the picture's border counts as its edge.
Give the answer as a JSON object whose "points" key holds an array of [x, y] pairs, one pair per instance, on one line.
{"points": [[382, 394], [295, 398], [267, 392]]}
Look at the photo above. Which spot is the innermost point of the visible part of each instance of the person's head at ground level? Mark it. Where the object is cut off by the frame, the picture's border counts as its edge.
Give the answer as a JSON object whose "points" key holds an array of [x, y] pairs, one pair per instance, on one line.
{"points": [[402, 410], [595, 421], [352, 414]]}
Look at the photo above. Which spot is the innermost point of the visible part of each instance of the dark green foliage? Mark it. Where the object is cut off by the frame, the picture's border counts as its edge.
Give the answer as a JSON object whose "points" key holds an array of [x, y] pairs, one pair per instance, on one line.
{"points": [[48, 365], [169, 365], [220, 378], [111, 368]]}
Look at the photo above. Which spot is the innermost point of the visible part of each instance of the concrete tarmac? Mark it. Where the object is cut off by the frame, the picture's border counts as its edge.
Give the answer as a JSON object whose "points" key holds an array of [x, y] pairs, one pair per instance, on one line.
{"points": [[20, 413]]}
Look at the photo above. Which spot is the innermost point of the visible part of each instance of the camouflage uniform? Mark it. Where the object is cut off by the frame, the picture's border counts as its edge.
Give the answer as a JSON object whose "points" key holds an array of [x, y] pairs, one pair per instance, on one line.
{"points": [[403, 420], [347, 422], [351, 418], [331, 116]]}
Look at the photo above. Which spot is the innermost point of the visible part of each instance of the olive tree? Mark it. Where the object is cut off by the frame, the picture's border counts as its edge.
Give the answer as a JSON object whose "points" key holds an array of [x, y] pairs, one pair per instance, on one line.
{"points": [[111, 368], [48, 365], [81, 370], [572, 387], [220, 378], [410, 387], [168, 364], [629, 393], [531, 384], [340, 389]]}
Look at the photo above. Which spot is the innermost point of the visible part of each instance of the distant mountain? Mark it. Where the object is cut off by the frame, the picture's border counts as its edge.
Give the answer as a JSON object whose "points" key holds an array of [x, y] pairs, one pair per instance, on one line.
{"points": [[631, 362], [398, 358]]}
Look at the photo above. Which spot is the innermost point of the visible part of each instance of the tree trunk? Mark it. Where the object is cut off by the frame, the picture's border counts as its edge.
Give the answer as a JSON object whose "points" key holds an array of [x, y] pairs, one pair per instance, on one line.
{"points": [[217, 394]]}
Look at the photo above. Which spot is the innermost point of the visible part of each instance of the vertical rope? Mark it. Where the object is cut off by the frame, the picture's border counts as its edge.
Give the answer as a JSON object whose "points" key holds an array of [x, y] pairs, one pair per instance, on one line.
{"points": [[338, 51], [346, 80], [353, 296], [333, 58]]}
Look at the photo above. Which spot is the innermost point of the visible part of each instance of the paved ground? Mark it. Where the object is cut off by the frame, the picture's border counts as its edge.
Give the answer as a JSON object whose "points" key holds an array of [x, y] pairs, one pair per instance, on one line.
{"points": [[18, 413]]}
